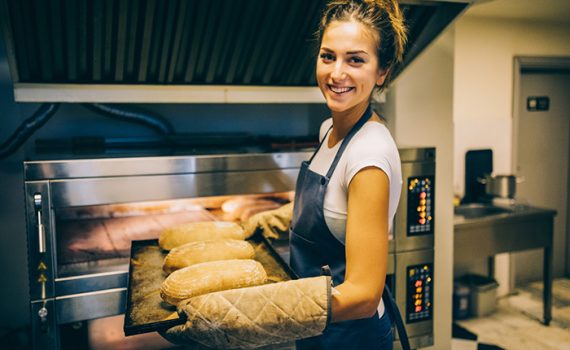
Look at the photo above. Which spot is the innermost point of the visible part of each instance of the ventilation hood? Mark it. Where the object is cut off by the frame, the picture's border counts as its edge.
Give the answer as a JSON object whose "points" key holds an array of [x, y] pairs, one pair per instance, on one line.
{"points": [[180, 51]]}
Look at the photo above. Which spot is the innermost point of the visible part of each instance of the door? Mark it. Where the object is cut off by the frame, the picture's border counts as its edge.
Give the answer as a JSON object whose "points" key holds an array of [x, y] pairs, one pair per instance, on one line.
{"points": [[543, 159]]}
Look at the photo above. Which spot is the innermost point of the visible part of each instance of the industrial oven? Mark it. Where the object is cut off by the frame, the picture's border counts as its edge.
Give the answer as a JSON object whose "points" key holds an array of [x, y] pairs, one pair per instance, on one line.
{"points": [[82, 215]]}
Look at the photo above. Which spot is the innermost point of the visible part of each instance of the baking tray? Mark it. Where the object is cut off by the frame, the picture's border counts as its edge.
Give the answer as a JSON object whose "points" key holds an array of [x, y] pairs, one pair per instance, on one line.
{"points": [[146, 312]]}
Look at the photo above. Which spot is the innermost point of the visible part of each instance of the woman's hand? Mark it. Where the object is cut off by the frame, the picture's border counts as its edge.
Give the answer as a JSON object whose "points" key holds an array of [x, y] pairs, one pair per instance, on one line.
{"points": [[366, 246]]}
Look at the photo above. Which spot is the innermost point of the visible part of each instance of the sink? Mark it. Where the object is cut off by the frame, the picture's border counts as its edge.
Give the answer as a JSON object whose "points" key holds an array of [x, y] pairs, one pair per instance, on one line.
{"points": [[477, 210]]}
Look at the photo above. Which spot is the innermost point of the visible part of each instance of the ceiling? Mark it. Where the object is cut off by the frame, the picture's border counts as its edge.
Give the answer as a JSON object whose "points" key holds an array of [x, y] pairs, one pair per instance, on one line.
{"points": [[553, 11]]}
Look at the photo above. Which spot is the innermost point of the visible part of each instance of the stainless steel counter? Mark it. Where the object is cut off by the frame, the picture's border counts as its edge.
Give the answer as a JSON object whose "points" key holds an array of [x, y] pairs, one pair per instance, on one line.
{"points": [[483, 231]]}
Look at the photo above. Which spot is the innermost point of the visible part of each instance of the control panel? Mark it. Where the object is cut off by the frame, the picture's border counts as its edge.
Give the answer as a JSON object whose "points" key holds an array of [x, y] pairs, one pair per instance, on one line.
{"points": [[419, 304], [420, 205]]}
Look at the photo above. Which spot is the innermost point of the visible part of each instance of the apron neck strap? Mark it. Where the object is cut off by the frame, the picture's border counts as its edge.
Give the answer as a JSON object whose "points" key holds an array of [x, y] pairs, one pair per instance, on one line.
{"points": [[367, 114], [320, 144]]}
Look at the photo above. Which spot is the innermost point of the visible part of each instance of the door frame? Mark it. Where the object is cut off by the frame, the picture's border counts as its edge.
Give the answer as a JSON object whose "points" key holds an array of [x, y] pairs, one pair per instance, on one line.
{"points": [[539, 64]]}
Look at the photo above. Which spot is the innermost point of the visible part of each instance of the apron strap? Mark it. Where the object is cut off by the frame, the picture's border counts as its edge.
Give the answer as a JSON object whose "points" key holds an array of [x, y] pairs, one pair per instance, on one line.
{"points": [[394, 313], [320, 144], [367, 114]]}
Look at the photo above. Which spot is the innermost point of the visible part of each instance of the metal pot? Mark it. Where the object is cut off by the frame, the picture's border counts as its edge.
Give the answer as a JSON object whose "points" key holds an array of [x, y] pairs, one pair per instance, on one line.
{"points": [[504, 186]]}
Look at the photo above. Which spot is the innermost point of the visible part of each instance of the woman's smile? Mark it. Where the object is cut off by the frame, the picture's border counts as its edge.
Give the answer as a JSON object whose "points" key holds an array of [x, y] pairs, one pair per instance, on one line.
{"points": [[340, 90]]}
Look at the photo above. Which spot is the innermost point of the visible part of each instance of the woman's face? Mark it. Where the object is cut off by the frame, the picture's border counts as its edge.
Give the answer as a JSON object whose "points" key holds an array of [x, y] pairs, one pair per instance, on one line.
{"points": [[348, 67]]}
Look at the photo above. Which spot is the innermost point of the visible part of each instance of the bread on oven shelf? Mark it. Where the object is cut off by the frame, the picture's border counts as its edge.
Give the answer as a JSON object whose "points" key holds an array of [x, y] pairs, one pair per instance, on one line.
{"points": [[199, 231], [203, 251], [211, 277]]}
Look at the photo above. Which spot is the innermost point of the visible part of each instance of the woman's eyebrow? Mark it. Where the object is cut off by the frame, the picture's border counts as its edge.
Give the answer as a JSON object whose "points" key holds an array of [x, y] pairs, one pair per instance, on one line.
{"points": [[357, 52]]}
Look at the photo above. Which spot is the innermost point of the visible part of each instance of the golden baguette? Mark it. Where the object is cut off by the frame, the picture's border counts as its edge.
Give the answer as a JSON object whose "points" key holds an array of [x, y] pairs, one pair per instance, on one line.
{"points": [[199, 231], [203, 251], [211, 277]]}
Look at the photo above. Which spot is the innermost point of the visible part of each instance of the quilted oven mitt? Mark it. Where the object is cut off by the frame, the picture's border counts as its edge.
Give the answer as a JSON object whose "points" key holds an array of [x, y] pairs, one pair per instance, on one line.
{"points": [[271, 222], [256, 316]]}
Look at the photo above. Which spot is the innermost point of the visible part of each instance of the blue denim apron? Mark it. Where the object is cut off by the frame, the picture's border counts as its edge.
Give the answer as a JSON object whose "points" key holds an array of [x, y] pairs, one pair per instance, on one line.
{"points": [[314, 246]]}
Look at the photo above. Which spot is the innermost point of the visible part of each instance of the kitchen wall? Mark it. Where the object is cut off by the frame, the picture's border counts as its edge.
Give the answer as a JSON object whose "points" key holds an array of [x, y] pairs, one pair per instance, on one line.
{"points": [[483, 82], [484, 52], [73, 121], [420, 105]]}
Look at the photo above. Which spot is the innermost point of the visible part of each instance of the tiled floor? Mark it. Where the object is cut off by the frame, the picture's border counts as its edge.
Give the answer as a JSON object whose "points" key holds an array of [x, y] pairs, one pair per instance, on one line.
{"points": [[516, 323]]}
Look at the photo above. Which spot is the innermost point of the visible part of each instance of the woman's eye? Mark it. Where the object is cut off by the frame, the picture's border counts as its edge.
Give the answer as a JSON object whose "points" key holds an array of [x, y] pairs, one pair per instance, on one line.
{"points": [[327, 57], [357, 60]]}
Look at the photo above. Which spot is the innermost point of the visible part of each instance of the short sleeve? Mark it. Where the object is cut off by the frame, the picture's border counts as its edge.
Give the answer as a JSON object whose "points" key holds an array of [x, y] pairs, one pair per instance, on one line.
{"points": [[371, 150], [378, 161]]}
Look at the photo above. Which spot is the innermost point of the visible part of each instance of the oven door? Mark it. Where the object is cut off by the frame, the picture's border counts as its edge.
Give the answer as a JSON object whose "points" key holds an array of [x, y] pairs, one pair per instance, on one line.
{"points": [[79, 251]]}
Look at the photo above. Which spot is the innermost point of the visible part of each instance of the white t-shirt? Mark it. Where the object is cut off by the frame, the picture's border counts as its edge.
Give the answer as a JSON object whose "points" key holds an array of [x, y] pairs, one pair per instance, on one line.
{"points": [[372, 145]]}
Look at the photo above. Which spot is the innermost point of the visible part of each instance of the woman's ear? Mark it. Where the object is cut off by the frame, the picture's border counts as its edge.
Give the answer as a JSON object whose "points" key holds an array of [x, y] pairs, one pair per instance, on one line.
{"points": [[382, 75]]}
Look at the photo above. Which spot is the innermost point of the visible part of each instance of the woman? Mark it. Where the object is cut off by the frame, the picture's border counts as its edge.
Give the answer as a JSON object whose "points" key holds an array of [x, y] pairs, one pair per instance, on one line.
{"points": [[347, 194]]}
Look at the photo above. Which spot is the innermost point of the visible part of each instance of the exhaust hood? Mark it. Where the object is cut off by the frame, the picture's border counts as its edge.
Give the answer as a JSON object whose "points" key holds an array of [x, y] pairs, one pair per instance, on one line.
{"points": [[180, 51]]}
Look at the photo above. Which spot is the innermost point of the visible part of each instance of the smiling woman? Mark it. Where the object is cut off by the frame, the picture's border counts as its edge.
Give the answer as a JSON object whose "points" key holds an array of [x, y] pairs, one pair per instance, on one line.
{"points": [[347, 194], [347, 68]]}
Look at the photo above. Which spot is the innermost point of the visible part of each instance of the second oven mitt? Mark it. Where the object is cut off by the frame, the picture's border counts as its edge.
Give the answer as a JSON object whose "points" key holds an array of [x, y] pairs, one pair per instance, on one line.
{"points": [[255, 316], [271, 223]]}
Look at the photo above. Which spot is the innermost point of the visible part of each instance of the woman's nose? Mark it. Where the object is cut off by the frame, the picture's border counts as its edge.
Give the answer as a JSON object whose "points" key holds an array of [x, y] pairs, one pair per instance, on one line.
{"points": [[338, 71]]}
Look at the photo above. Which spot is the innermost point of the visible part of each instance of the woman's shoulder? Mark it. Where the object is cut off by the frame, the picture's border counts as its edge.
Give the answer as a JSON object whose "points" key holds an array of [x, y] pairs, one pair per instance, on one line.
{"points": [[374, 138], [374, 146]]}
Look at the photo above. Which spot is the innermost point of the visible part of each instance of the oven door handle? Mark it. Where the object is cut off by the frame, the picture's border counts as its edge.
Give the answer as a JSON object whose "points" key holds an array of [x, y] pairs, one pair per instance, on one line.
{"points": [[41, 228]]}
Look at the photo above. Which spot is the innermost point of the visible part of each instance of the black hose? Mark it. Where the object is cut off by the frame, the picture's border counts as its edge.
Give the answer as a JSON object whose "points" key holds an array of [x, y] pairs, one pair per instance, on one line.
{"points": [[155, 122], [27, 128]]}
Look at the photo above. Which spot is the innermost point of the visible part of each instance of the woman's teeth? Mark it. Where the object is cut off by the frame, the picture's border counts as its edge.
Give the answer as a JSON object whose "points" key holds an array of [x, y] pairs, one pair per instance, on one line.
{"points": [[340, 90]]}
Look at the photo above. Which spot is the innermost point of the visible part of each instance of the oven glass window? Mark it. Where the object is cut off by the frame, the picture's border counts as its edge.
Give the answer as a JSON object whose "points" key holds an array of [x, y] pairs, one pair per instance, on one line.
{"points": [[97, 239]]}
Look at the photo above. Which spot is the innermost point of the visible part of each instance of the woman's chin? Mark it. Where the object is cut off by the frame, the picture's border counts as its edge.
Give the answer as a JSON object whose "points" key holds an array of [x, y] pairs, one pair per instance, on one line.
{"points": [[342, 106], [335, 106]]}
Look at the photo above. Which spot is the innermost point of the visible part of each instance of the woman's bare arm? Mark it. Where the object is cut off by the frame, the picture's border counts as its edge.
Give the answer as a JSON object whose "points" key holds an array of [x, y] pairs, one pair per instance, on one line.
{"points": [[366, 246]]}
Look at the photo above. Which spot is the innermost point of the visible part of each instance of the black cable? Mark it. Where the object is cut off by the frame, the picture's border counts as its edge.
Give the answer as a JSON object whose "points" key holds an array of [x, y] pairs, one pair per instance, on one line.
{"points": [[394, 312], [155, 122], [27, 128]]}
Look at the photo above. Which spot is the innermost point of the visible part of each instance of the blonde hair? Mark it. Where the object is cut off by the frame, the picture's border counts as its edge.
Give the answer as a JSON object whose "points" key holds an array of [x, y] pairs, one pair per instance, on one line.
{"points": [[383, 17]]}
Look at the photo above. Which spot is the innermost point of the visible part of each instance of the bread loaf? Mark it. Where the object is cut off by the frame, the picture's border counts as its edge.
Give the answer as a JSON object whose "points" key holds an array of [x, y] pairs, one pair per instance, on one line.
{"points": [[203, 251], [199, 231], [211, 277]]}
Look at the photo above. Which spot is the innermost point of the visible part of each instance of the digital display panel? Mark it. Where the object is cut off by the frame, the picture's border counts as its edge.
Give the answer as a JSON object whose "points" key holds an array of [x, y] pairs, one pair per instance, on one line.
{"points": [[419, 303], [420, 205]]}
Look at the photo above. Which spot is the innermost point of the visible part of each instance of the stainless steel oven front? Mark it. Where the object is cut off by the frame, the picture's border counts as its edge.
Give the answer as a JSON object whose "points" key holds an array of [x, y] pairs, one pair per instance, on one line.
{"points": [[83, 214]]}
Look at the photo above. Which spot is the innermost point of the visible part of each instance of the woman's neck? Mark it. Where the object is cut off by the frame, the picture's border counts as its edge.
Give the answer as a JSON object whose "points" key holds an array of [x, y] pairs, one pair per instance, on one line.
{"points": [[344, 121]]}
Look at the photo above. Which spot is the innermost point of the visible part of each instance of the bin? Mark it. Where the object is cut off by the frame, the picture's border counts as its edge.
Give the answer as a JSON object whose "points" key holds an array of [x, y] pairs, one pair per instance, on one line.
{"points": [[461, 302], [483, 291]]}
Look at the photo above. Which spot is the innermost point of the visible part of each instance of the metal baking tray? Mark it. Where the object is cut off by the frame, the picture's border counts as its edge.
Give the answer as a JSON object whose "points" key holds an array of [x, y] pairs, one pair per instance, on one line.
{"points": [[146, 312]]}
